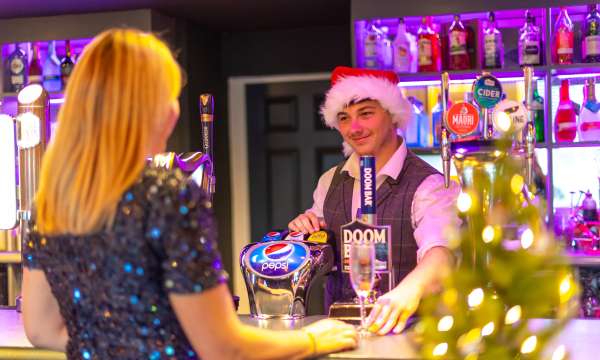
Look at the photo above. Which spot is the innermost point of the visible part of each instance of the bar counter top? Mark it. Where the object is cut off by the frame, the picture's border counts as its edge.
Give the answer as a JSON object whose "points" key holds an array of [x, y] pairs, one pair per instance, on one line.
{"points": [[580, 337]]}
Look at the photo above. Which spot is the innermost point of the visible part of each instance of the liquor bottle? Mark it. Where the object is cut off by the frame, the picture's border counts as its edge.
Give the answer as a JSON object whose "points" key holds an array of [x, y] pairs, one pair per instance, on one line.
{"points": [[589, 117], [417, 131], [429, 46], [537, 107], [17, 76], [590, 44], [563, 38], [51, 69], [529, 43], [565, 122], [437, 119], [35, 67], [371, 39], [402, 49], [66, 65], [589, 208], [385, 52], [458, 57], [493, 56]]}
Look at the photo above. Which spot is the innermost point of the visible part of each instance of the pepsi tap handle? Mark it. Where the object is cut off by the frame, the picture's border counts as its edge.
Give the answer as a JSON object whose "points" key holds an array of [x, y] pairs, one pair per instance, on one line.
{"points": [[445, 140]]}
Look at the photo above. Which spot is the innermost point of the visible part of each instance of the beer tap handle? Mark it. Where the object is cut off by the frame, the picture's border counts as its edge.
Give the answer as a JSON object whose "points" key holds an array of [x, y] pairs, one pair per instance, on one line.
{"points": [[446, 155], [207, 110], [528, 84], [529, 151], [445, 136]]}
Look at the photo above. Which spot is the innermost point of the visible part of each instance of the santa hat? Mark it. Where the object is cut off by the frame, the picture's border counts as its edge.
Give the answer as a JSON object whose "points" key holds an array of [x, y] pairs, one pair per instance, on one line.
{"points": [[350, 85]]}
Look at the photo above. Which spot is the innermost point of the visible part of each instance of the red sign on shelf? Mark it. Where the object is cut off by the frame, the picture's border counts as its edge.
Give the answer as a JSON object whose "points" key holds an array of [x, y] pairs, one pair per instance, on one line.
{"points": [[463, 119]]}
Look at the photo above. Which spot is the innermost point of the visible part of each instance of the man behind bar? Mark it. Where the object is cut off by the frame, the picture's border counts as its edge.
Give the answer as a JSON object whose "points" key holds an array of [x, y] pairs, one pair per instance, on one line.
{"points": [[368, 109]]}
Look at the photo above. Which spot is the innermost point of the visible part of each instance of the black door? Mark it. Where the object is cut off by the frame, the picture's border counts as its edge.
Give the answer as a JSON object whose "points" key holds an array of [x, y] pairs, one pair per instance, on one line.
{"points": [[288, 149]]}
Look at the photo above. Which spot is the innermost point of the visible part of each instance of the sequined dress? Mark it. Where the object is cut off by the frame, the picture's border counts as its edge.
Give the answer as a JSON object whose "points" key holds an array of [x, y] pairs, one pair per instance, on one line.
{"points": [[112, 286]]}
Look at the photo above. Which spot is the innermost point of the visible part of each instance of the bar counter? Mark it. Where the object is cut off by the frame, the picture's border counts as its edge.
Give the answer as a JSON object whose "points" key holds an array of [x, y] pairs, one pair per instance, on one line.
{"points": [[580, 337]]}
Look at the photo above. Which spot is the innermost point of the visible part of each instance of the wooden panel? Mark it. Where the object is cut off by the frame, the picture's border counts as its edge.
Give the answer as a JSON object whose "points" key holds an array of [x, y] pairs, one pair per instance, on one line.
{"points": [[328, 158], [282, 113], [318, 100], [283, 184]]}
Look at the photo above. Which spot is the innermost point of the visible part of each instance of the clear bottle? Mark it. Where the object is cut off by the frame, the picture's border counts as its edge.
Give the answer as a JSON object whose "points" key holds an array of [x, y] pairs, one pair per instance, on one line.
{"points": [[529, 42], [590, 43], [429, 47], [537, 106], [436, 120], [17, 74], [402, 49], [589, 208], [51, 70], [66, 65], [458, 57], [589, 117], [493, 56], [412, 135], [35, 66], [371, 39], [563, 38], [385, 52], [565, 122]]}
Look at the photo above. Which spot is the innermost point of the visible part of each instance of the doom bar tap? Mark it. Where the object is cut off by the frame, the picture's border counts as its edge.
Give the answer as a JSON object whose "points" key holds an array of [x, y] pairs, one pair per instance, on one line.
{"points": [[434, 197]]}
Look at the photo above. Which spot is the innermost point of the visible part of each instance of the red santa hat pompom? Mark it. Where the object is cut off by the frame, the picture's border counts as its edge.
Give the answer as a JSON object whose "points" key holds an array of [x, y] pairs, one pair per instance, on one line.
{"points": [[350, 85]]}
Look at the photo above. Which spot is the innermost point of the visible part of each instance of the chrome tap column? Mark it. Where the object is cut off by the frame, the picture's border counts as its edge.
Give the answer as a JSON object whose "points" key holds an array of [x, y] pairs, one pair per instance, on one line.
{"points": [[279, 274]]}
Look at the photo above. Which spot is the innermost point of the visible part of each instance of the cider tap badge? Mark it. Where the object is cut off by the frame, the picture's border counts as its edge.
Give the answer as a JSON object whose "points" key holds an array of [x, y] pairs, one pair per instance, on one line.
{"points": [[487, 91], [358, 232]]}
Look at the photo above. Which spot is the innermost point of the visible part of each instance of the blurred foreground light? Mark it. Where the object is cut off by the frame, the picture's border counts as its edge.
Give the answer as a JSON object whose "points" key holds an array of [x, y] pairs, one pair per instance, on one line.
{"points": [[559, 353], [529, 345], [527, 239], [445, 323], [516, 183], [488, 234], [440, 349], [503, 121], [513, 315], [464, 202], [487, 329], [475, 298]]}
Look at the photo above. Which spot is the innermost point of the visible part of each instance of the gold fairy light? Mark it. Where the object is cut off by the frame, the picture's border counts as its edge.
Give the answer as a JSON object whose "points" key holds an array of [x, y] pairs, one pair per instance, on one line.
{"points": [[559, 353], [516, 183], [527, 239], [513, 315], [475, 298], [464, 202], [440, 349], [488, 234], [445, 323], [487, 329], [566, 288], [529, 345]]}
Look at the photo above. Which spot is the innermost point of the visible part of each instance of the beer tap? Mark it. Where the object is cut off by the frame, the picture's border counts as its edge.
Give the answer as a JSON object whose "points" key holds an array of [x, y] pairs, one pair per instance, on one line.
{"points": [[529, 130], [207, 110], [445, 136]]}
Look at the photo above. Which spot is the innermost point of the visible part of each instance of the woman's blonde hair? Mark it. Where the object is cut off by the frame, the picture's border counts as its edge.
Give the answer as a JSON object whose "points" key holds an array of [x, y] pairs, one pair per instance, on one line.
{"points": [[119, 93]]}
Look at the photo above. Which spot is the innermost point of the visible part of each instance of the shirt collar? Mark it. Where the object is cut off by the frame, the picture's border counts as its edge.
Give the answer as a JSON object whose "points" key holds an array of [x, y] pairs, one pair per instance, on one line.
{"points": [[392, 168]]}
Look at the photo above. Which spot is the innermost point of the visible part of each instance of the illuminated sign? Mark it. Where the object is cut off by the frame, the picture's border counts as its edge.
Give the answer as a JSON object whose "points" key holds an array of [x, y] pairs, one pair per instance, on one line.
{"points": [[276, 259]]}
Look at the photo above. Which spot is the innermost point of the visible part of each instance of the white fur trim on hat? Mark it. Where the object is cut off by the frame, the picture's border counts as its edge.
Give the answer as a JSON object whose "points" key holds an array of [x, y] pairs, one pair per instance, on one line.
{"points": [[355, 88]]}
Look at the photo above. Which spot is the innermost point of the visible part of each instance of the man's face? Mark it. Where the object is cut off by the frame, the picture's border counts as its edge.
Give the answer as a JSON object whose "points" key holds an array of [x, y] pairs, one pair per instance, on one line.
{"points": [[367, 127]]}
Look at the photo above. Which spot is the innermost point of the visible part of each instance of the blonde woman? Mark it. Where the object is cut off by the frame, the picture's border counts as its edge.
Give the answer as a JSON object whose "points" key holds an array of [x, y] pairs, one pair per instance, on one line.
{"points": [[121, 261]]}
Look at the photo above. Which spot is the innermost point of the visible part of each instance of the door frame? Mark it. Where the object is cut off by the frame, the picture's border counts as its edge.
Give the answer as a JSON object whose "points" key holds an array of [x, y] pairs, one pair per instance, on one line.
{"points": [[238, 167]]}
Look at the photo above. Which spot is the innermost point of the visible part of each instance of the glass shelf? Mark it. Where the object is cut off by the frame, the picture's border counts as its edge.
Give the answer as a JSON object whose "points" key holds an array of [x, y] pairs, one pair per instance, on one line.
{"points": [[576, 144]]}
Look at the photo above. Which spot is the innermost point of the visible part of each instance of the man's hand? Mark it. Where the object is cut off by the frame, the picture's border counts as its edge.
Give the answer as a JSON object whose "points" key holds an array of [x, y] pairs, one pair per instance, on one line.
{"points": [[392, 310], [307, 223]]}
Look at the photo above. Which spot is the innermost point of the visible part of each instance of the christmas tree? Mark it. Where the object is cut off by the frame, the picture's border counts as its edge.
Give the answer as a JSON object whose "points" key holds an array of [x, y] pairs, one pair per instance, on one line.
{"points": [[510, 270]]}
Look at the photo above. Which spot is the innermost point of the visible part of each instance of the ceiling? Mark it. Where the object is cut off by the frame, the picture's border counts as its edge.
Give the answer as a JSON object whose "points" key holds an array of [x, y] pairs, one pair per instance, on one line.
{"points": [[224, 15]]}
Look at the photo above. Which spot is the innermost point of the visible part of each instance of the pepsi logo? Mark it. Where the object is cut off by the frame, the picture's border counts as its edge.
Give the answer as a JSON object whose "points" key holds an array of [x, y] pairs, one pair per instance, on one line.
{"points": [[279, 251], [273, 234], [296, 233]]}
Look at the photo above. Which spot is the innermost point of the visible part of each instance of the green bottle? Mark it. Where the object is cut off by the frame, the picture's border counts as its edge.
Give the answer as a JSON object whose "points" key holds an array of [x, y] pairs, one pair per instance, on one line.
{"points": [[537, 106]]}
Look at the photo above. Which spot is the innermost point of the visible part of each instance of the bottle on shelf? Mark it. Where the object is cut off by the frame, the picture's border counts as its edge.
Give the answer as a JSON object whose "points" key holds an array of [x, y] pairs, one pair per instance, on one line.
{"points": [[414, 130], [371, 38], [66, 65], [530, 42], [493, 49], [35, 66], [429, 47], [562, 48], [385, 53], [589, 208], [458, 57], [537, 107], [590, 43], [589, 117], [437, 119], [403, 56], [51, 70], [17, 74], [565, 122]]}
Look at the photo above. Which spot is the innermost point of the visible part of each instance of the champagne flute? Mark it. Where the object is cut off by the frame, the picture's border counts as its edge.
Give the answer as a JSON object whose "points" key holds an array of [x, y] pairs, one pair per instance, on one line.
{"points": [[362, 276]]}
